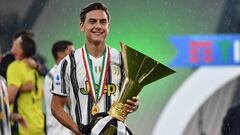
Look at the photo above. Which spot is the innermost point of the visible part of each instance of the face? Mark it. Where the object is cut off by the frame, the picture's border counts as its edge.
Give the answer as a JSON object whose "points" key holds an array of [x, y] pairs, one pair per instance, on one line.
{"points": [[96, 27], [16, 49]]}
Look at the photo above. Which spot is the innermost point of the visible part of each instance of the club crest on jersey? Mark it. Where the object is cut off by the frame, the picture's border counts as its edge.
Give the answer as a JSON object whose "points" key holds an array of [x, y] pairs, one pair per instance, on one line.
{"points": [[58, 81], [109, 89]]}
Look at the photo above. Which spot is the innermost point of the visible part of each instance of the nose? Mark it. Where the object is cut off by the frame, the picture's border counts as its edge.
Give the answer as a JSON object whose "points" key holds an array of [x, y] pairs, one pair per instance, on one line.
{"points": [[98, 25]]}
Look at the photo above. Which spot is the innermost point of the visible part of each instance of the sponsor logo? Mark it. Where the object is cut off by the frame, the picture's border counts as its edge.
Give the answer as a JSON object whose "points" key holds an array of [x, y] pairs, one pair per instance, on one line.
{"points": [[109, 89], [58, 81]]}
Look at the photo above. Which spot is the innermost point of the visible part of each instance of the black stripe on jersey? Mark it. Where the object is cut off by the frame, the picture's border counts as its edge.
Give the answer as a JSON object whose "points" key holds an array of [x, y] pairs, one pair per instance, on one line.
{"points": [[111, 122], [90, 104], [75, 86], [122, 71], [6, 107], [108, 81], [63, 73], [14, 127], [52, 78], [36, 82]]}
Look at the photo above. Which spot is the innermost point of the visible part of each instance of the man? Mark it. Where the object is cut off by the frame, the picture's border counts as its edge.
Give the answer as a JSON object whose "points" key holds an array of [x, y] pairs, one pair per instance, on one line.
{"points": [[27, 102], [59, 50], [91, 76]]}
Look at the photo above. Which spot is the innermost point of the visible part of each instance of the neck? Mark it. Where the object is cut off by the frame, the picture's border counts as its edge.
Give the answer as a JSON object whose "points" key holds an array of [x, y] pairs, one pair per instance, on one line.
{"points": [[95, 50], [58, 61], [19, 57]]}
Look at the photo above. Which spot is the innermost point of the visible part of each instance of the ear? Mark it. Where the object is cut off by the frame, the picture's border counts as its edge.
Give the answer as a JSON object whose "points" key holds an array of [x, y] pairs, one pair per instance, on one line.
{"points": [[81, 27], [108, 25]]}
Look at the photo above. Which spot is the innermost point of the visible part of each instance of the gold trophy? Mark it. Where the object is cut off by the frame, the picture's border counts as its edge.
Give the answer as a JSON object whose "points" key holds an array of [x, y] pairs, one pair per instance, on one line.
{"points": [[140, 70]]}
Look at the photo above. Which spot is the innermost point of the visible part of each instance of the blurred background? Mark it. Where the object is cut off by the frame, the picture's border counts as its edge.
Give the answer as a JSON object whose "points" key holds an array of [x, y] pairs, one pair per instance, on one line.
{"points": [[193, 101]]}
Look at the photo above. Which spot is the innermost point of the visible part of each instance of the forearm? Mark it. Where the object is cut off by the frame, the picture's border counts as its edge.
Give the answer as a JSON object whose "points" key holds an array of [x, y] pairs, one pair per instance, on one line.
{"points": [[64, 118], [27, 87], [57, 108]]}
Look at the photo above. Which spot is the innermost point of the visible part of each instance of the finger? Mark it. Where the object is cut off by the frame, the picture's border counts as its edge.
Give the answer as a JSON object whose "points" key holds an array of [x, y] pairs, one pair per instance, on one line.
{"points": [[130, 108], [131, 102], [23, 123], [135, 98]]}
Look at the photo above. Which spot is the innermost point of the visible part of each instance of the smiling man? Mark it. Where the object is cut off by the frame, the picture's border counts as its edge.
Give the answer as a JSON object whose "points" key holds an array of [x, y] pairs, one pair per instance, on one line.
{"points": [[91, 76]]}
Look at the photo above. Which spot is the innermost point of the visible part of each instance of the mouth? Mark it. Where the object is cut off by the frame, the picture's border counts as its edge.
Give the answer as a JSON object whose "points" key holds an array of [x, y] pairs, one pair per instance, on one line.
{"points": [[97, 32]]}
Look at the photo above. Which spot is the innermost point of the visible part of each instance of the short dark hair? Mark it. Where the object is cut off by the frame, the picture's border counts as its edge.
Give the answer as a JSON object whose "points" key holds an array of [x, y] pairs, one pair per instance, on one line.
{"points": [[21, 33], [93, 6], [60, 46], [28, 46]]}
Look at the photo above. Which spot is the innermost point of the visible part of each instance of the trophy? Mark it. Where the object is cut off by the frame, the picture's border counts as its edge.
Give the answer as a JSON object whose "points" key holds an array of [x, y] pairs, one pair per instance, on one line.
{"points": [[140, 70]]}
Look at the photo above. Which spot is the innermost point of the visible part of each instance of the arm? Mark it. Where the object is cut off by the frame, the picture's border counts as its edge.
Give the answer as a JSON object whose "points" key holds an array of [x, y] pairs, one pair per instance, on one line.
{"points": [[12, 92], [33, 63], [57, 107], [27, 87], [16, 117]]}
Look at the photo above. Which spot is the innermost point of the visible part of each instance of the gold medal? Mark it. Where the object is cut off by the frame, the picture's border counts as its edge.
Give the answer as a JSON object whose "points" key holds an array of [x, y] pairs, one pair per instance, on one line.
{"points": [[95, 109]]}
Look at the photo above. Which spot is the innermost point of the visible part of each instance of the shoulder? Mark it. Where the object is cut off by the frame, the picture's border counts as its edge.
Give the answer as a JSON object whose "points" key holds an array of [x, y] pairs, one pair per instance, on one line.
{"points": [[75, 55], [51, 72], [15, 65], [75, 58], [115, 55], [114, 51]]}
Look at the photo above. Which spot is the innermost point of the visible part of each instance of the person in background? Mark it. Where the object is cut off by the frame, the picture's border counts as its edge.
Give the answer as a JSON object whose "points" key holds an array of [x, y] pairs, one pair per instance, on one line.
{"points": [[37, 61], [26, 102], [60, 49]]}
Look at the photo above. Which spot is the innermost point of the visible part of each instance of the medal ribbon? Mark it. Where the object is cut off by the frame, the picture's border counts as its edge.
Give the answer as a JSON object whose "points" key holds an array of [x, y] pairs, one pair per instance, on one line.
{"points": [[96, 93]]}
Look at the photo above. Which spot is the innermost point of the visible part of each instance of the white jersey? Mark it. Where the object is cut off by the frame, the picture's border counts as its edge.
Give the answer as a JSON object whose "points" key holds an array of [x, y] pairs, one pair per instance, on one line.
{"points": [[5, 128], [53, 126], [71, 80]]}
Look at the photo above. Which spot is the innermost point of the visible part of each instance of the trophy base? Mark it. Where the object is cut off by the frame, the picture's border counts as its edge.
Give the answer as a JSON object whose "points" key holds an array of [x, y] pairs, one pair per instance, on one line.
{"points": [[118, 111]]}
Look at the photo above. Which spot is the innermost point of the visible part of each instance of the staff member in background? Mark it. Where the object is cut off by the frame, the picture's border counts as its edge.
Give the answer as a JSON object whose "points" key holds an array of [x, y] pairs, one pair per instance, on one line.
{"points": [[27, 103], [36, 61]]}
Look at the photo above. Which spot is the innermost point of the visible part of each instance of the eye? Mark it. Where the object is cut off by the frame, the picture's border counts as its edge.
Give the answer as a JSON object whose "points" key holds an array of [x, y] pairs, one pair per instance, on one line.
{"points": [[103, 22], [92, 21]]}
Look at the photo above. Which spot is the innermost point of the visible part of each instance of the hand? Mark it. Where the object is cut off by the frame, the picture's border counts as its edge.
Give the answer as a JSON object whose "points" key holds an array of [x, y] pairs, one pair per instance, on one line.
{"points": [[132, 105], [19, 119], [76, 130], [31, 62]]}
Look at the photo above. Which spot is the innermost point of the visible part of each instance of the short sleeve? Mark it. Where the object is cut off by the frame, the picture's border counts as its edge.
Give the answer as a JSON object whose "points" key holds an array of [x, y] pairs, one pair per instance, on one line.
{"points": [[14, 75], [61, 81]]}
